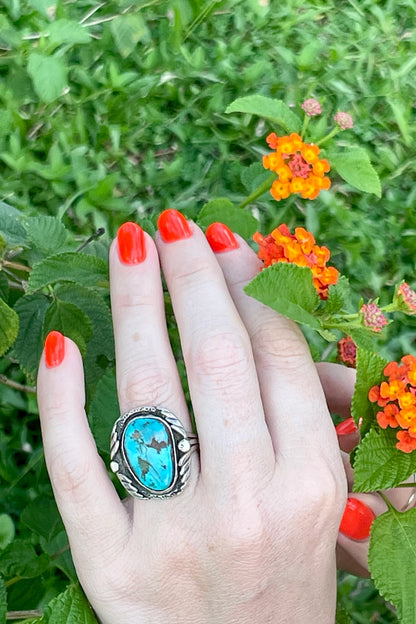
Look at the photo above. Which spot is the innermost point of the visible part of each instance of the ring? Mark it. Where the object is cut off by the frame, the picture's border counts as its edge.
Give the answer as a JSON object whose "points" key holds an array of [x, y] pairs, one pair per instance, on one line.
{"points": [[151, 452]]}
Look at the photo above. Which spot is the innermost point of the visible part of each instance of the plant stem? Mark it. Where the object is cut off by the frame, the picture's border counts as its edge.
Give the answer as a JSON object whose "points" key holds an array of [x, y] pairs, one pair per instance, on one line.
{"points": [[304, 126], [329, 136], [16, 266], [16, 386], [265, 186], [23, 615]]}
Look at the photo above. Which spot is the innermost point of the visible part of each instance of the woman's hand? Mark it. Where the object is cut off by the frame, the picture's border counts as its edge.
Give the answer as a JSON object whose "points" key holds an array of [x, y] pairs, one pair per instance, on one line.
{"points": [[252, 537], [353, 541]]}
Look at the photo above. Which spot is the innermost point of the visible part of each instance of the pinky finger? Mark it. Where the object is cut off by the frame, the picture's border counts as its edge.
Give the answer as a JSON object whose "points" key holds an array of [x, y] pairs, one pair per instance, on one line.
{"points": [[88, 502]]}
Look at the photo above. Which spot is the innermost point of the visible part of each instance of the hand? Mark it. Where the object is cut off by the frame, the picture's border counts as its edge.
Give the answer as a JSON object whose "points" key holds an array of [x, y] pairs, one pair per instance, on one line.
{"points": [[352, 549], [252, 537]]}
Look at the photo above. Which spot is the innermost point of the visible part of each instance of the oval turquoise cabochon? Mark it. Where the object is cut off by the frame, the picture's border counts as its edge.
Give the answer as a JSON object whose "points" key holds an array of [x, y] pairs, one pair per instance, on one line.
{"points": [[148, 448]]}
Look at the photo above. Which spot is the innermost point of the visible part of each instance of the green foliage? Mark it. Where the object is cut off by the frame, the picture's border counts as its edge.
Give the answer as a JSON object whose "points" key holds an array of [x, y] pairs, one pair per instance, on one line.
{"points": [[392, 560], [370, 369], [116, 111]]}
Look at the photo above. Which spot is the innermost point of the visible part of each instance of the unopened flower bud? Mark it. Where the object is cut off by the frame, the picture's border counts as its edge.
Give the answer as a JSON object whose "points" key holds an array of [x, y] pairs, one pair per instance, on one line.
{"points": [[311, 107], [344, 120]]}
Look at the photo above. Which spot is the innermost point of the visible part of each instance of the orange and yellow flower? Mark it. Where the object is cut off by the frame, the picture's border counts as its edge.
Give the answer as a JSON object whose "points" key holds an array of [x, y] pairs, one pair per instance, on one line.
{"points": [[298, 248], [297, 166], [397, 397]]}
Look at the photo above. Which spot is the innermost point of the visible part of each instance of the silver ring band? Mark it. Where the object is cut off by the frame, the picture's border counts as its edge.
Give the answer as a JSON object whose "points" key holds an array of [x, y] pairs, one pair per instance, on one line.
{"points": [[151, 452]]}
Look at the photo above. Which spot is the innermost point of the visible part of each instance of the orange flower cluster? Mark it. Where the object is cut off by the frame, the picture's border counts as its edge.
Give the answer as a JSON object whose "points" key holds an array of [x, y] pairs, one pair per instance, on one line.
{"points": [[298, 167], [397, 397], [298, 248]]}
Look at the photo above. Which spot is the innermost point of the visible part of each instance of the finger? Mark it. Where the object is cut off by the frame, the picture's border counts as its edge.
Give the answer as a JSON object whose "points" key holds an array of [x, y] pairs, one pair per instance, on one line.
{"points": [[146, 369], [338, 383], [291, 391], [87, 500], [217, 352]]}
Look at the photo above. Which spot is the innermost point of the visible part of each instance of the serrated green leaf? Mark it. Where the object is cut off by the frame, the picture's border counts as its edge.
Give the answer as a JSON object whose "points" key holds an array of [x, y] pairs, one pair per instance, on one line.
{"points": [[8, 211], [104, 409], [378, 464], [81, 268], [31, 310], [339, 296], [392, 560], [9, 327], [101, 344], [6, 530], [289, 290], [223, 210], [3, 602], [370, 369], [48, 234], [48, 74], [253, 176], [363, 338], [127, 31], [70, 321], [42, 517], [67, 31], [12, 230], [71, 607], [20, 559], [354, 167], [275, 110]]}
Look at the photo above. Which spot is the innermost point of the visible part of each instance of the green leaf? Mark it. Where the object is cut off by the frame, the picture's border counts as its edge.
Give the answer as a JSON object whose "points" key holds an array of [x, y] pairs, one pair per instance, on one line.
{"points": [[6, 530], [48, 234], [370, 369], [48, 74], [341, 616], [9, 327], [42, 517], [31, 310], [11, 228], [104, 410], [81, 268], [20, 559], [45, 7], [289, 290], [127, 31], [354, 167], [67, 31], [378, 464], [253, 176], [4, 286], [3, 602], [363, 338], [339, 296], [392, 560], [71, 607], [8, 211], [223, 210], [70, 321], [275, 110]]}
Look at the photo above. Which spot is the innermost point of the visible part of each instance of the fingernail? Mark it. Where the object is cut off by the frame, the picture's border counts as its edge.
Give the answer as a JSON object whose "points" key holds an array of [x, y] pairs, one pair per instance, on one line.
{"points": [[220, 238], [346, 426], [54, 349], [131, 243], [357, 520], [173, 226]]}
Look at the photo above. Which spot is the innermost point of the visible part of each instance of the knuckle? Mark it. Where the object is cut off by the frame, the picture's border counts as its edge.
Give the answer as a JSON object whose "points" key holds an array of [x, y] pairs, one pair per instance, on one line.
{"points": [[69, 476], [224, 355], [281, 347], [150, 385]]}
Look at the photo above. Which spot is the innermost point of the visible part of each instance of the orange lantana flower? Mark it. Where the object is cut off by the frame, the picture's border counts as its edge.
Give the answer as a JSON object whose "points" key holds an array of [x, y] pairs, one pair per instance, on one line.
{"points": [[397, 397], [298, 167], [298, 248]]}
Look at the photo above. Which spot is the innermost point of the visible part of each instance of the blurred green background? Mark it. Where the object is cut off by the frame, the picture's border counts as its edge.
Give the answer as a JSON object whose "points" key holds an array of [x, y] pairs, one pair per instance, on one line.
{"points": [[115, 110]]}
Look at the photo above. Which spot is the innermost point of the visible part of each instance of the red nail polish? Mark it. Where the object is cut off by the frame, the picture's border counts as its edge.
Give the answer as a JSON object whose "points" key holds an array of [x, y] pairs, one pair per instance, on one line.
{"points": [[173, 226], [220, 237], [346, 426], [54, 349], [357, 520], [131, 243]]}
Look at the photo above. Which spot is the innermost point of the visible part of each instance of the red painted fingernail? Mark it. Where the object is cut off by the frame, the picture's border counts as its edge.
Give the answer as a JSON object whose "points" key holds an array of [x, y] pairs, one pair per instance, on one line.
{"points": [[346, 426], [357, 520], [220, 237], [131, 243], [54, 349], [173, 226]]}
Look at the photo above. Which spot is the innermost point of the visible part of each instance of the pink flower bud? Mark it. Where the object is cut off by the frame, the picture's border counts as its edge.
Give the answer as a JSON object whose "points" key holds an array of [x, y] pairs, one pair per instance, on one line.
{"points": [[373, 317], [344, 120], [311, 107]]}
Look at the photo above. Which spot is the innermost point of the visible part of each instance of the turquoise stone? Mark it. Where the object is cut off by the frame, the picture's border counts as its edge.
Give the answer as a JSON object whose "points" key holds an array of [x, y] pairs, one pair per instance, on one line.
{"points": [[148, 447]]}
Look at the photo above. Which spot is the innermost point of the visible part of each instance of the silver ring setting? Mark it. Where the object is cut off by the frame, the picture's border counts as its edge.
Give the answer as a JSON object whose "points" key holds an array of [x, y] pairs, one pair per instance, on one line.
{"points": [[151, 452]]}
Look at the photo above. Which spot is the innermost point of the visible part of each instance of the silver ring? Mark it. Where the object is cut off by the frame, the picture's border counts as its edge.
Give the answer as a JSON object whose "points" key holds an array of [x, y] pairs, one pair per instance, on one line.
{"points": [[151, 452]]}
